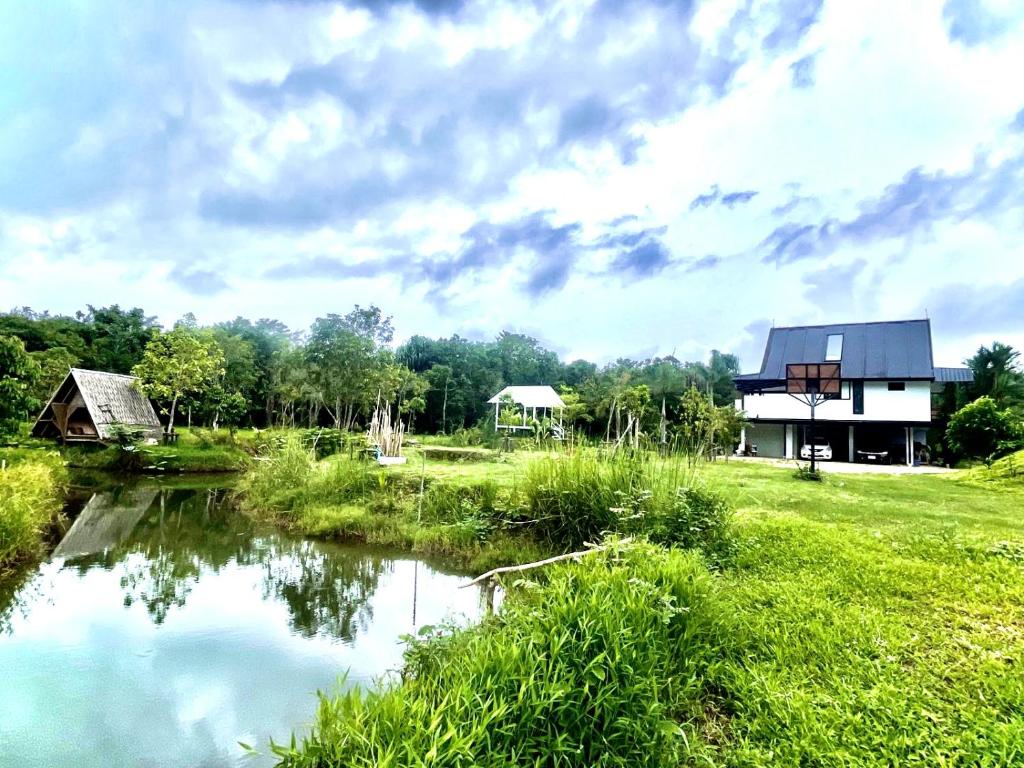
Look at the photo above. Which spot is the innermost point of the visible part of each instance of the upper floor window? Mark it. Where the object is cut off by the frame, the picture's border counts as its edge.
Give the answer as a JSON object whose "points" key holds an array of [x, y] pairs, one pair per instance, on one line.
{"points": [[834, 347], [897, 386]]}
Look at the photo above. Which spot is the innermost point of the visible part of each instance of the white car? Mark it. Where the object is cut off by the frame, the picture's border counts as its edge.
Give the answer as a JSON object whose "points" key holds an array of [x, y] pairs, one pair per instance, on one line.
{"points": [[821, 447]]}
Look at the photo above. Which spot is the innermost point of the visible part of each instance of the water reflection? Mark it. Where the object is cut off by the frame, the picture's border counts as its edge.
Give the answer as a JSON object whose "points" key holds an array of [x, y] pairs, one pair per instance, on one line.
{"points": [[167, 627]]}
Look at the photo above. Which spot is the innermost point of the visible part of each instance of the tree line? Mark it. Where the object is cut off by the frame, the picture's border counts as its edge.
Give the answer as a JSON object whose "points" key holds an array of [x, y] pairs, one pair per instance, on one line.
{"points": [[261, 373]]}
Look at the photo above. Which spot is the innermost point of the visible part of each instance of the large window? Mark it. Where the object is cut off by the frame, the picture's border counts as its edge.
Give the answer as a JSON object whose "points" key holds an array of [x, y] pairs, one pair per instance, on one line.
{"points": [[834, 347]]}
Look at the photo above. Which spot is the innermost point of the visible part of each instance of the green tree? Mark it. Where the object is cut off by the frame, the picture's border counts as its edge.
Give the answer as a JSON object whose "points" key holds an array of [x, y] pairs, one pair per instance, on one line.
{"points": [[982, 429], [54, 365], [117, 337], [178, 364], [998, 375], [697, 423], [18, 376], [344, 359]]}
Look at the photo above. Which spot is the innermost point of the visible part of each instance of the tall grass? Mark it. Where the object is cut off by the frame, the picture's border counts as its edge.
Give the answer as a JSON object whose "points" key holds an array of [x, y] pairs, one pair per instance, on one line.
{"points": [[290, 479], [31, 498], [600, 664], [579, 498]]}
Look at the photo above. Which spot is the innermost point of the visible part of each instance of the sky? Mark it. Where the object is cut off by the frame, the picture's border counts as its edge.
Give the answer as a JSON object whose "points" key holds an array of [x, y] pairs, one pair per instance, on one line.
{"points": [[615, 177]]}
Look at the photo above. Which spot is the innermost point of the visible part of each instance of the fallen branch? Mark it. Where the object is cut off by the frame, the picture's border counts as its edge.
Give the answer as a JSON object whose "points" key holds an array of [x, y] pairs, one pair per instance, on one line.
{"points": [[527, 566]]}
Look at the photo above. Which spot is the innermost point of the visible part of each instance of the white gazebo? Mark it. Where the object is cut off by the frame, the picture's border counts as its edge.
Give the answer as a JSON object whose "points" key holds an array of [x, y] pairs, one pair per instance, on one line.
{"points": [[531, 400]]}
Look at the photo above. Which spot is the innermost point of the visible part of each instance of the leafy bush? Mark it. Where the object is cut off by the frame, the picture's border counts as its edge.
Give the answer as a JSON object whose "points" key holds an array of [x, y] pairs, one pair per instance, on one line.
{"points": [[804, 472], [324, 442], [981, 429], [127, 446], [31, 498], [696, 518], [600, 664]]}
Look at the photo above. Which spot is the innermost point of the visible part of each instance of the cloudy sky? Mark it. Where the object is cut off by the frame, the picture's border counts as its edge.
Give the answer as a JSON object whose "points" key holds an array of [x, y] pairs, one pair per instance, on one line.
{"points": [[614, 177]]}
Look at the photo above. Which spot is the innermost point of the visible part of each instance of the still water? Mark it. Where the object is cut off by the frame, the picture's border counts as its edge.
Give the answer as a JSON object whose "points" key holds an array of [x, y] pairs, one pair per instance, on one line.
{"points": [[166, 628]]}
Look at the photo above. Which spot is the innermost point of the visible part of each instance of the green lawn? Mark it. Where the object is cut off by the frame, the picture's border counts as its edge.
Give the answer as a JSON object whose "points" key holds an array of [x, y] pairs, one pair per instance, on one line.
{"points": [[880, 618]]}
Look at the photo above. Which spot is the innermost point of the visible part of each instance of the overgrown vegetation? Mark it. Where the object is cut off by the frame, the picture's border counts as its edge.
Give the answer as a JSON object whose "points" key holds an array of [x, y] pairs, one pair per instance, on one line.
{"points": [[870, 620], [31, 499], [556, 503], [557, 679]]}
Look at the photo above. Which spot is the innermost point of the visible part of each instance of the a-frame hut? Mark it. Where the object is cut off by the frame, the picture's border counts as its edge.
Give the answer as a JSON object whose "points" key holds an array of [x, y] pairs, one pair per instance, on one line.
{"points": [[88, 403]]}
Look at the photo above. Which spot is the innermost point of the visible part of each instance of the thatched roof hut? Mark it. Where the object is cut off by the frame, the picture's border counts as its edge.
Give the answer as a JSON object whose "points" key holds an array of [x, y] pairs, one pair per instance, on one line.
{"points": [[88, 403]]}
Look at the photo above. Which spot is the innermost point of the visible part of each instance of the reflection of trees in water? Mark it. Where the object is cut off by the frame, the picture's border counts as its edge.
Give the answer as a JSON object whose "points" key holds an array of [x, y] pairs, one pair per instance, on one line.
{"points": [[186, 533], [325, 593], [17, 591]]}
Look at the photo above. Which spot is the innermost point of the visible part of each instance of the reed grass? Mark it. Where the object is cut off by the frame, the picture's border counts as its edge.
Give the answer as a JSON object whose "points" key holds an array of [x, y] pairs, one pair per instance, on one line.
{"points": [[31, 499]]}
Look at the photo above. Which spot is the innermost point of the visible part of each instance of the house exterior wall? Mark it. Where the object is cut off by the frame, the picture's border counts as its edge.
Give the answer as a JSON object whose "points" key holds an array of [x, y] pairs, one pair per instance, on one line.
{"points": [[914, 404], [770, 439]]}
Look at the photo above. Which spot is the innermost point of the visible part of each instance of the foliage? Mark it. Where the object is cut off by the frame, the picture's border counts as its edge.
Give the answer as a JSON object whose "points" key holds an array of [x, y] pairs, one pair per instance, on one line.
{"points": [[695, 518], [54, 365], [697, 424], [18, 376], [558, 679], [128, 446], [981, 429], [178, 363], [998, 375], [31, 499], [577, 499], [804, 472]]}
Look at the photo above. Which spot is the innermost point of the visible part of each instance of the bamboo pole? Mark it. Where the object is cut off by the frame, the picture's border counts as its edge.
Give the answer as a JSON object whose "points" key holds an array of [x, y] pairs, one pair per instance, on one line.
{"points": [[548, 561]]}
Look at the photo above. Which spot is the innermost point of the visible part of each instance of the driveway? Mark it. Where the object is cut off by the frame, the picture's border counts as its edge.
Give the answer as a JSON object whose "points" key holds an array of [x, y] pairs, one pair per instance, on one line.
{"points": [[845, 468]]}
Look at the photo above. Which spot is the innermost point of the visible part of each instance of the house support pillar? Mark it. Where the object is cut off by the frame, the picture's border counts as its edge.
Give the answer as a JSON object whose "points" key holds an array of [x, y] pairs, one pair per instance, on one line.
{"points": [[851, 456], [743, 441], [790, 440], [910, 446]]}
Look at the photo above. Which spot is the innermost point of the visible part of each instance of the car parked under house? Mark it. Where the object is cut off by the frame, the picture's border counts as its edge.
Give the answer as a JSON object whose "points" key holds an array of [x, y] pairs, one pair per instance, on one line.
{"points": [[884, 407]]}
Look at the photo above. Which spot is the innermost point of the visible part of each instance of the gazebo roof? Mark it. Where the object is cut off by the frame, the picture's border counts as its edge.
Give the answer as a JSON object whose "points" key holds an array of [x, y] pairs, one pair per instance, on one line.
{"points": [[530, 397]]}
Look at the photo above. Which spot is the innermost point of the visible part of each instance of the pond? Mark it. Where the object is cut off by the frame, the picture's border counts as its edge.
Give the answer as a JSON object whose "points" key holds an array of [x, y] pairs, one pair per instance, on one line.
{"points": [[166, 628]]}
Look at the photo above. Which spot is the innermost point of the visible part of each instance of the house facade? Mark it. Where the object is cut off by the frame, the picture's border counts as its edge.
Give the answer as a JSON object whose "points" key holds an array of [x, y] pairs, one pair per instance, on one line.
{"points": [[884, 406]]}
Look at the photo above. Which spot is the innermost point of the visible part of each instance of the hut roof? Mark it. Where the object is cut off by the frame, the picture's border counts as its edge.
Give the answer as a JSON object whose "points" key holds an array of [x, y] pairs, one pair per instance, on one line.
{"points": [[110, 398], [530, 397]]}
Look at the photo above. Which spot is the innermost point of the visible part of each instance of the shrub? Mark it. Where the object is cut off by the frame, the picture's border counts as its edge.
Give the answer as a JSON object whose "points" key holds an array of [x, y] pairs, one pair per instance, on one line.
{"points": [[324, 442], [980, 429], [601, 663], [696, 518], [31, 498], [804, 472]]}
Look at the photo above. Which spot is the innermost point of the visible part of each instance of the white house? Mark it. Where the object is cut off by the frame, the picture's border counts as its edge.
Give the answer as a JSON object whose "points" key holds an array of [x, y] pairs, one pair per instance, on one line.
{"points": [[531, 399], [885, 401]]}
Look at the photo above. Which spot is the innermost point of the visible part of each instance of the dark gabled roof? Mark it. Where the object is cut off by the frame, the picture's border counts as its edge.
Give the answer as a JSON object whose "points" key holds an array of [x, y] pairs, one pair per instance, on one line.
{"points": [[887, 350], [954, 375]]}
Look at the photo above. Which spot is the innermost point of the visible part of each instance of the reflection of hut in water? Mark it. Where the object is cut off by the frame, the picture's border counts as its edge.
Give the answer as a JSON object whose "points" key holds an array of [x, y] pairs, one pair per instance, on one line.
{"points": [[88, 403], [106, 520]]}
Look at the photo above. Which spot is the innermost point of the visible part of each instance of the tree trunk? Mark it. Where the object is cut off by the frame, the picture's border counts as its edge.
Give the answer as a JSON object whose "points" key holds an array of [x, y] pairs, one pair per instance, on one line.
{"points": [[170, 420], [444, 408]]}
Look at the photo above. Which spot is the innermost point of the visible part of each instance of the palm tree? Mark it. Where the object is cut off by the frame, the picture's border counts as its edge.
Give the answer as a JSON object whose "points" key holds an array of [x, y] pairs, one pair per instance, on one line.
{"points": [[997, 373]]}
